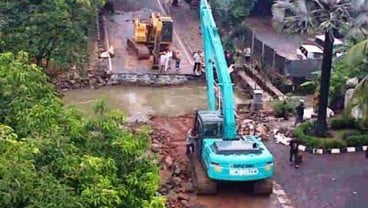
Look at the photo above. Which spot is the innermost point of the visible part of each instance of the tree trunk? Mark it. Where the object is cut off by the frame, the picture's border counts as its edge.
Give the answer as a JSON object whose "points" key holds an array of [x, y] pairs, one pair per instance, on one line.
{"points": [[321, 127]]}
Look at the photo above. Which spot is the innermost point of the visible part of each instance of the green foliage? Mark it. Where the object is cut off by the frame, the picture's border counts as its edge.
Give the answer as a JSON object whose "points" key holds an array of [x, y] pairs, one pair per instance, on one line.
{"points": [[281, 107], [231, 13], [343, 123], [52, 32], [62, 159], [303, 16], [311, 85], [351, 138], [357, 140], [304, 131]]}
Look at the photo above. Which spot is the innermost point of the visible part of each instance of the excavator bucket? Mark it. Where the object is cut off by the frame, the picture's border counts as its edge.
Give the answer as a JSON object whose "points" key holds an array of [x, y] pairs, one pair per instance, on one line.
{"points": [[140, 50]]}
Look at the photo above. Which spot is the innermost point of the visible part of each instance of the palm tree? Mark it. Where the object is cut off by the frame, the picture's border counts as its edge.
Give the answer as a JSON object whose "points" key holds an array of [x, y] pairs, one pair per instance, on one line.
{"points": [[326, 16]]}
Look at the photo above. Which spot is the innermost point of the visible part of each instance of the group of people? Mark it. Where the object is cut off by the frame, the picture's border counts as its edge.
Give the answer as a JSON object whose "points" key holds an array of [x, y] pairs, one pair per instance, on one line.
{"points": [[229, 57], [166, 60]]}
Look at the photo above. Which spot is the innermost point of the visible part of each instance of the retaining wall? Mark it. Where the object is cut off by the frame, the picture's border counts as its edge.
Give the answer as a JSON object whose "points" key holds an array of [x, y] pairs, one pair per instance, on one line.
{"points": [[152, 79]]}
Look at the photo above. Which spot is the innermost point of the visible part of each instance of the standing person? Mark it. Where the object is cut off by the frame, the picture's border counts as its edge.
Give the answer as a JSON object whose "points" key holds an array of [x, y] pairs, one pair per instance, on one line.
{"points": [[169, 55], [247, 53], [299, 112], [177, 61], [191, 136], [162, 62], [229, 58], [197, 62], [294, 151]]}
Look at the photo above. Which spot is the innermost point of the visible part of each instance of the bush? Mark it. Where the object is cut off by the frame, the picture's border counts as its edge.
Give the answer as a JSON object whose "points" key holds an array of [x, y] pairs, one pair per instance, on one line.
{"points": [[329, 144], [350, 133], [344, 123], [279, 108], [357, 140], [302, 134]]}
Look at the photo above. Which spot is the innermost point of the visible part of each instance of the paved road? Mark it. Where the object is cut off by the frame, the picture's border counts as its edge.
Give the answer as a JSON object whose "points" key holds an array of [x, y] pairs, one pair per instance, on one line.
{"points": [[119, 27], [325, 181]]}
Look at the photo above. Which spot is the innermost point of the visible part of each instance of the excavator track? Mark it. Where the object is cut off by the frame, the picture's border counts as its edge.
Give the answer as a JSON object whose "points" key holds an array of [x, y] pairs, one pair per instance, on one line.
{"points": [[263, 187], [202, 184], [140, 50]]}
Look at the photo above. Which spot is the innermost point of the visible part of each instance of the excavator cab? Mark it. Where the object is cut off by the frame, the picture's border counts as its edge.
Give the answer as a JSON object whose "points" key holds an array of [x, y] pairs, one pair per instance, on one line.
{"points": [[208, 124]]}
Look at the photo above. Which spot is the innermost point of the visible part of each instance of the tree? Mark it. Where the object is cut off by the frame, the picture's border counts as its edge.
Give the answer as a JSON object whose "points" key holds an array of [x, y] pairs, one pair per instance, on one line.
{"points": [[231, 13], [51, 32], [325, 16], [55, 157]]}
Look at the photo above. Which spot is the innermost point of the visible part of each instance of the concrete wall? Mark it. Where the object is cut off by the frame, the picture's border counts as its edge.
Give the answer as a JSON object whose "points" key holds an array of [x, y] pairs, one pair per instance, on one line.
{"points": [[152, 79], [303, 68]]}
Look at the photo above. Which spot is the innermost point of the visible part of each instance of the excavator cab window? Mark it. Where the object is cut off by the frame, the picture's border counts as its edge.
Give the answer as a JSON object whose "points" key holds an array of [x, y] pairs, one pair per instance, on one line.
{"points": [[212, 130]]}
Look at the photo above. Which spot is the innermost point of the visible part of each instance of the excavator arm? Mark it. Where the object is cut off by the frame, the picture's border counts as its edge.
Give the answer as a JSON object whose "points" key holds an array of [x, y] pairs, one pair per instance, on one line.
{"points": [[214, 53], [157, 30]]}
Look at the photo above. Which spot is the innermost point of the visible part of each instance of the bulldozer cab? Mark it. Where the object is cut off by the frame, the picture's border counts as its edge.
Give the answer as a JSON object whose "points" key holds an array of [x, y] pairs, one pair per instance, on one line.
{"points": [[208, 124], [167, 30]]}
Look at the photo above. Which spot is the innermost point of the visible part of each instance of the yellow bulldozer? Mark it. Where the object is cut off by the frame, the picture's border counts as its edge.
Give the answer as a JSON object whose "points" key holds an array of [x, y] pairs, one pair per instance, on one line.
{"points": [[151, 37]]}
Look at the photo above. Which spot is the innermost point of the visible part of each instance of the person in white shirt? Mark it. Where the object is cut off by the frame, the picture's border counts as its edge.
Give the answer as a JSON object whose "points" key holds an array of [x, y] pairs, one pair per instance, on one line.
{"points": [[247, 53], [197, 63], [169, 55], [177, 60], [162, 62]]}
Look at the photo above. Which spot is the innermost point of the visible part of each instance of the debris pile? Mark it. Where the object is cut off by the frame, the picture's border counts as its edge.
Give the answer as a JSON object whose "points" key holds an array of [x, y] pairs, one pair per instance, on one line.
{"points": [[251, 127], [176, 181], [283, 135]]}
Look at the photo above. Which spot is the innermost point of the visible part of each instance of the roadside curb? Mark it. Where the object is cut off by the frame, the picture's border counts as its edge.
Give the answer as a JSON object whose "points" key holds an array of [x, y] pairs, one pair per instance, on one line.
{"points": [[282, 139]]}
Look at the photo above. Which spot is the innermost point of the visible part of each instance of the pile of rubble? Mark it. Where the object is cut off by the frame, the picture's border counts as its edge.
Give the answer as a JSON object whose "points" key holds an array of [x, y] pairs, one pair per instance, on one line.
{"points": [[255, 124], [251, 127], [176, 181]]}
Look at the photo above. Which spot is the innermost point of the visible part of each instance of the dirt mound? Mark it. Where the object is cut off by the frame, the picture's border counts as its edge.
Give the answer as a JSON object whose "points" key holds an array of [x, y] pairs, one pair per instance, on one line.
{"points": [[168, 139]]}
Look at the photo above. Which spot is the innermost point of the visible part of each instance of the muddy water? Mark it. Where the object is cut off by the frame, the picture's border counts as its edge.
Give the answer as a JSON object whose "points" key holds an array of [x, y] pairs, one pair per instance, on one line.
{"points": [[164, 101]]}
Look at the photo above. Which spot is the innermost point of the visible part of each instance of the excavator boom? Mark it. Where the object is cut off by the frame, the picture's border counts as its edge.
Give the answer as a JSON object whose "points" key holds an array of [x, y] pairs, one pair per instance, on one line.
{"points": [[214, 52]]}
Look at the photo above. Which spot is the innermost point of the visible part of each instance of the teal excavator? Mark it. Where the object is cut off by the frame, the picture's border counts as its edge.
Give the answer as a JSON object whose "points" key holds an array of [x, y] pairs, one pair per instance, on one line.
{"points": [[221, 154]]}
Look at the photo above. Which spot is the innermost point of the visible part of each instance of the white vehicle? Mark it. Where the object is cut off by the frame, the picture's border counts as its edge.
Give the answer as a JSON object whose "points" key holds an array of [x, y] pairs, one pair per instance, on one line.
{"points": [[338, 45], [307, 51]]}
